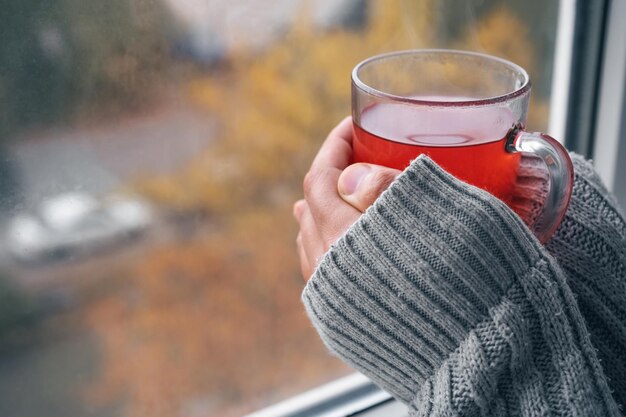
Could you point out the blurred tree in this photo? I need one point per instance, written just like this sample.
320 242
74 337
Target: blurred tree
212 322
215 321
501 32
64 59
275 108
57 58
457 20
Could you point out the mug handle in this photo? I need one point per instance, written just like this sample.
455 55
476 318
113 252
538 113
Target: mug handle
560 174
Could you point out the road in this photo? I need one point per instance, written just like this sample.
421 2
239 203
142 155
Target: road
49 375
100 158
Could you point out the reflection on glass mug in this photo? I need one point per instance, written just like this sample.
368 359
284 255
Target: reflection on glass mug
466 111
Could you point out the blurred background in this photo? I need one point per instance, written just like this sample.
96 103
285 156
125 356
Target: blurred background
150 152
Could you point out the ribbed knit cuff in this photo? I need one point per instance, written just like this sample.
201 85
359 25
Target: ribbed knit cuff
401 290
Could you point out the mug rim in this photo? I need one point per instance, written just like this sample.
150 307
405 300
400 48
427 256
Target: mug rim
358 83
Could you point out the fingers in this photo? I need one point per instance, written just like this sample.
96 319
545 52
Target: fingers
336 152
298 209
324 216
311 246
305 267
331 214
361 184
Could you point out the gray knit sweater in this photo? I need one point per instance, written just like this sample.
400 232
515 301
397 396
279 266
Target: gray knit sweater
442 296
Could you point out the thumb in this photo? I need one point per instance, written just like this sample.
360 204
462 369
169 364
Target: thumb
361 184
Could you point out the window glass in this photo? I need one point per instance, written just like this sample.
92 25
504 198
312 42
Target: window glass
150 152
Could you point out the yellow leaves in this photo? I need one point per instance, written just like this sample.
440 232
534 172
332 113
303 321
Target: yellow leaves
205 92
538 113
276 106
163 190
220 315
503 34
400 24
216 312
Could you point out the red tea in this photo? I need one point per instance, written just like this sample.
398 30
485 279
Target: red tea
467 142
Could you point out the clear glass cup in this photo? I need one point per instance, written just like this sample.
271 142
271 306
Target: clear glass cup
467 111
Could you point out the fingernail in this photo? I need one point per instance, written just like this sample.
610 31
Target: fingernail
352 177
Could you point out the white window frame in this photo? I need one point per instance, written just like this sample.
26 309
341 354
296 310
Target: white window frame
609 132
559 96
344 397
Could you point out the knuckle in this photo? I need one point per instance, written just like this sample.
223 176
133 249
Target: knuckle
308 184
312 181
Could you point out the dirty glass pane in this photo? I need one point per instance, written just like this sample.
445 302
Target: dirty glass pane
150 151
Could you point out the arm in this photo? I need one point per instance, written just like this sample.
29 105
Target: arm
479 320
590 247
442 297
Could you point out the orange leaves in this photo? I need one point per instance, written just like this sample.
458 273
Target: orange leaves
216 315
219 316
275 107
211 319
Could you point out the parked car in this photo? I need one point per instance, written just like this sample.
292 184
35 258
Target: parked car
75 224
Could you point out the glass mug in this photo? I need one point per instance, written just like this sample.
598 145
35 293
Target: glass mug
466 111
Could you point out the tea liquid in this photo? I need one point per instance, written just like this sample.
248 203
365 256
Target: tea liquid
468 142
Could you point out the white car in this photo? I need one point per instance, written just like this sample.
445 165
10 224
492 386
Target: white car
74 224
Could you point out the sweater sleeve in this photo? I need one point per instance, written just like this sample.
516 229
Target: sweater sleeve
590 247
442 297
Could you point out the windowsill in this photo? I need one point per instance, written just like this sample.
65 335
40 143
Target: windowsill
354 395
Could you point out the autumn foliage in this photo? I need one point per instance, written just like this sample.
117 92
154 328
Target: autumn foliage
211 322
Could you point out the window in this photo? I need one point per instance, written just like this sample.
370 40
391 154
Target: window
609 113
151 151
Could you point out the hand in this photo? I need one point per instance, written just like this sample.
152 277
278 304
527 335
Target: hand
335 195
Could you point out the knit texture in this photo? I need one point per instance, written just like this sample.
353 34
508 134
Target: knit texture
590 247
441 295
